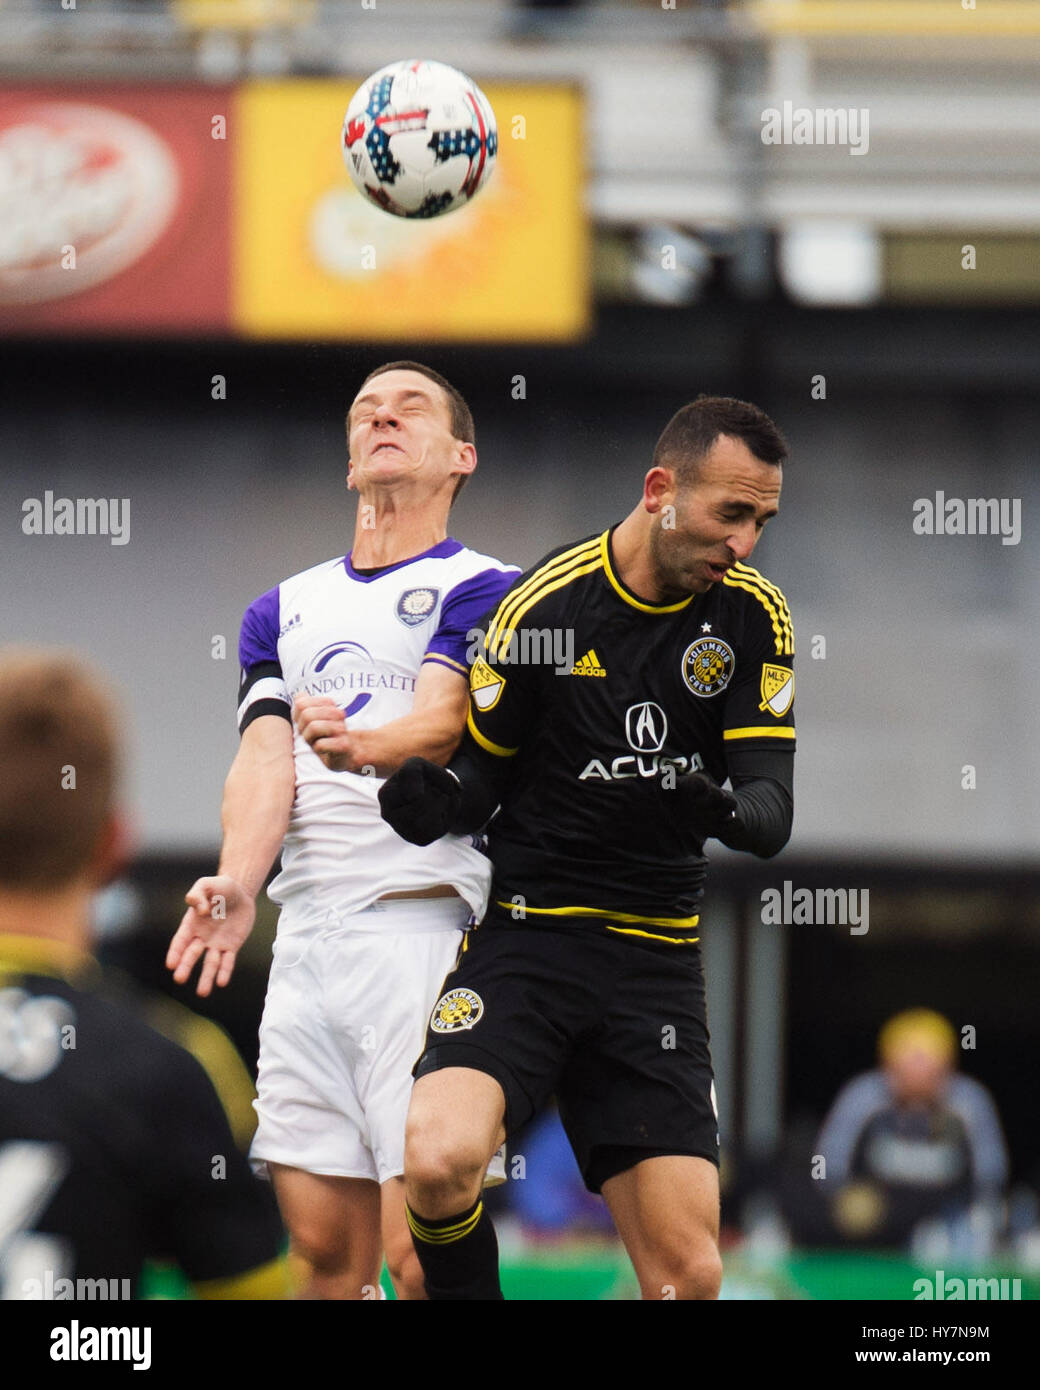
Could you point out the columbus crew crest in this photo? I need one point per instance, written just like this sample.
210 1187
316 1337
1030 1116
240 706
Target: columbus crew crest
459 1008
707 666
777 690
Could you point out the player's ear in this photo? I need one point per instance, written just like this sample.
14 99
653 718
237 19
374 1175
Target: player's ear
658 489
114 851
350 475
465 457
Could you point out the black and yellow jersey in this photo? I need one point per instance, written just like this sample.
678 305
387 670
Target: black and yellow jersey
593 703
114 1148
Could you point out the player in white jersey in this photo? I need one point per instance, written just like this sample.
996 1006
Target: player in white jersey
347 670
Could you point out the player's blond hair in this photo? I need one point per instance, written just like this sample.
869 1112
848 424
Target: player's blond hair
919 1028
58 766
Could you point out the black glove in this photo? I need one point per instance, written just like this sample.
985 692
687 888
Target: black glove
421 801
706 807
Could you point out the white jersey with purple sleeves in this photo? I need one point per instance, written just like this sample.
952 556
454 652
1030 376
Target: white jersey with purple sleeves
361 640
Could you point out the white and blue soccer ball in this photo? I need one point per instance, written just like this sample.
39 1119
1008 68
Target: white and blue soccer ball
419 138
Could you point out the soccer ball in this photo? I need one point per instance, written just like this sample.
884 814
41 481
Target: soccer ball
419 139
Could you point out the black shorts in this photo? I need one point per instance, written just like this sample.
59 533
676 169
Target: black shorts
618 1033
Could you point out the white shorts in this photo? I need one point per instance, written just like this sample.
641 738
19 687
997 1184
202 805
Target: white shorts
344 1023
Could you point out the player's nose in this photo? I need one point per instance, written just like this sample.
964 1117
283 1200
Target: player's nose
742 542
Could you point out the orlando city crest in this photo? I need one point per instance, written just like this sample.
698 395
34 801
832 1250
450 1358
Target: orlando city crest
415 606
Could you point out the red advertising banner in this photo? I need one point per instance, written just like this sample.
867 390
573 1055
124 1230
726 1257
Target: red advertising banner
114 209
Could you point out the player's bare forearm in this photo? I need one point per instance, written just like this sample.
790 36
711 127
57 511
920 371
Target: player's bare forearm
258 798
432 733
431 729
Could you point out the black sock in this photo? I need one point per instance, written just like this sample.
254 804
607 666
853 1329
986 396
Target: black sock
458 1254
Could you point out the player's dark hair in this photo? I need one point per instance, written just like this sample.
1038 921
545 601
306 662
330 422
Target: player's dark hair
58 751
690 433
462 426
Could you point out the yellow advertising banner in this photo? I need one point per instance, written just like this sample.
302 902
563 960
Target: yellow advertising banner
312 258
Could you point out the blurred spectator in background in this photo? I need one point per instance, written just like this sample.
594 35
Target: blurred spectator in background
114 1149
914 1152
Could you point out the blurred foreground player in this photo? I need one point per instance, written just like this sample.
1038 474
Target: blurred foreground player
584 977
368 652
113 1145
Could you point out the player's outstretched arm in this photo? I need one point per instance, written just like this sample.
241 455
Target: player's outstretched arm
258 797
431 729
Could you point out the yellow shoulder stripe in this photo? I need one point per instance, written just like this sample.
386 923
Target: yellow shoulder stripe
504 618
742 577
756 577
505 633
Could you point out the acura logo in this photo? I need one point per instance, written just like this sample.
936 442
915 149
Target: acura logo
646 727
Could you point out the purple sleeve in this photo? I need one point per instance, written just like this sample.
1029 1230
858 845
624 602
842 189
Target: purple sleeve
261 689
461 612
258 640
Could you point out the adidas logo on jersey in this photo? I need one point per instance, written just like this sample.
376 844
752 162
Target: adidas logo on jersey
588 665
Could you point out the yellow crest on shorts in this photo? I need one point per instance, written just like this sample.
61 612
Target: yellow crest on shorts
485 685
459 1008
777 689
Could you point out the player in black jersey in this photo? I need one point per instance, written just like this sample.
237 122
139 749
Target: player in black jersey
584 977
113 1145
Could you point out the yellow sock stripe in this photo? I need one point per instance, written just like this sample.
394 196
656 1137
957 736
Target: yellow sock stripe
753 577
779 636
443 1235
567 578
502 620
